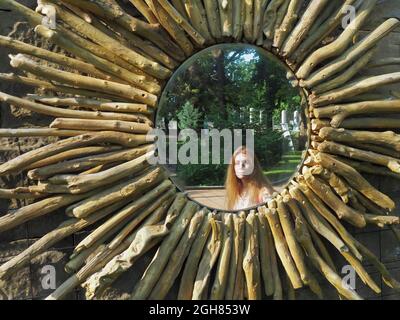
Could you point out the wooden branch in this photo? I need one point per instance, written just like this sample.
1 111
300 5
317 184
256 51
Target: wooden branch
343 77
101 125
142 7
371 123
317 222
296 214
303 26
149 234
358 154
338 46
198 17
219 286
40 132
26 159
81 26
80 164
338 113
269 18
354 88
251 261
288 23
110 10
131 76
22 62
304 238
173 28
321 208
384 62
259 9
183 22
208 260
248 20
47 55
238 19
130 188
388 139
177 259
326 195
64 230
213 18
38 209
236 256
46 85
153 272
92 104
59 112
351 55
74 153
192 261
294 247
266 252
314 39
281 246
159 194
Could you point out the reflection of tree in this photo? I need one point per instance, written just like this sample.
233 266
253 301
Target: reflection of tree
233 87
227 85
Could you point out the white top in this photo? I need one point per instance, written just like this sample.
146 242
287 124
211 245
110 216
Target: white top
245 202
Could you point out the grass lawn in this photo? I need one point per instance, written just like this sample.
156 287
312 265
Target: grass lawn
285 168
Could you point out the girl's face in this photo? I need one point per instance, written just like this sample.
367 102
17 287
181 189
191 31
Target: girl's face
244 165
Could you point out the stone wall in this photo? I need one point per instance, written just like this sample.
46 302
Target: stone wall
26 284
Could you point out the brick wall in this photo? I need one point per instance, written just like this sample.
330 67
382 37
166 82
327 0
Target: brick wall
26 284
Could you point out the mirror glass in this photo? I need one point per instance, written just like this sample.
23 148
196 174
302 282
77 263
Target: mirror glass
231 129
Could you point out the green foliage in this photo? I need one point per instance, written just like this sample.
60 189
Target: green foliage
227 86
188 116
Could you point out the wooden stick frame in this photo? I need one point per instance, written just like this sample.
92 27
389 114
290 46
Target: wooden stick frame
253 252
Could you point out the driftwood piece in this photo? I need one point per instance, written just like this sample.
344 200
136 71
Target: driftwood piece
28 158
130 188
192 261
351 54
344 77
388 139
354 88
338 46
251 261
236 256
338 113
238 19
303 26
314 39
143 288
177 258
248 20
59 112
341 209
358 154
198 17
64 230
266 251
213 18
304 238
79 164
288 23
138 243
125 91
158 194
281 246
218 288
92 104
207 262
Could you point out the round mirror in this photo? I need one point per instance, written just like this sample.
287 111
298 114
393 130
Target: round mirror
231 128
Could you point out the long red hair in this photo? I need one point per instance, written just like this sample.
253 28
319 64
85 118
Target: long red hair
255 182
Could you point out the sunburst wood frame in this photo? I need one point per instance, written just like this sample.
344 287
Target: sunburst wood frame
104 96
